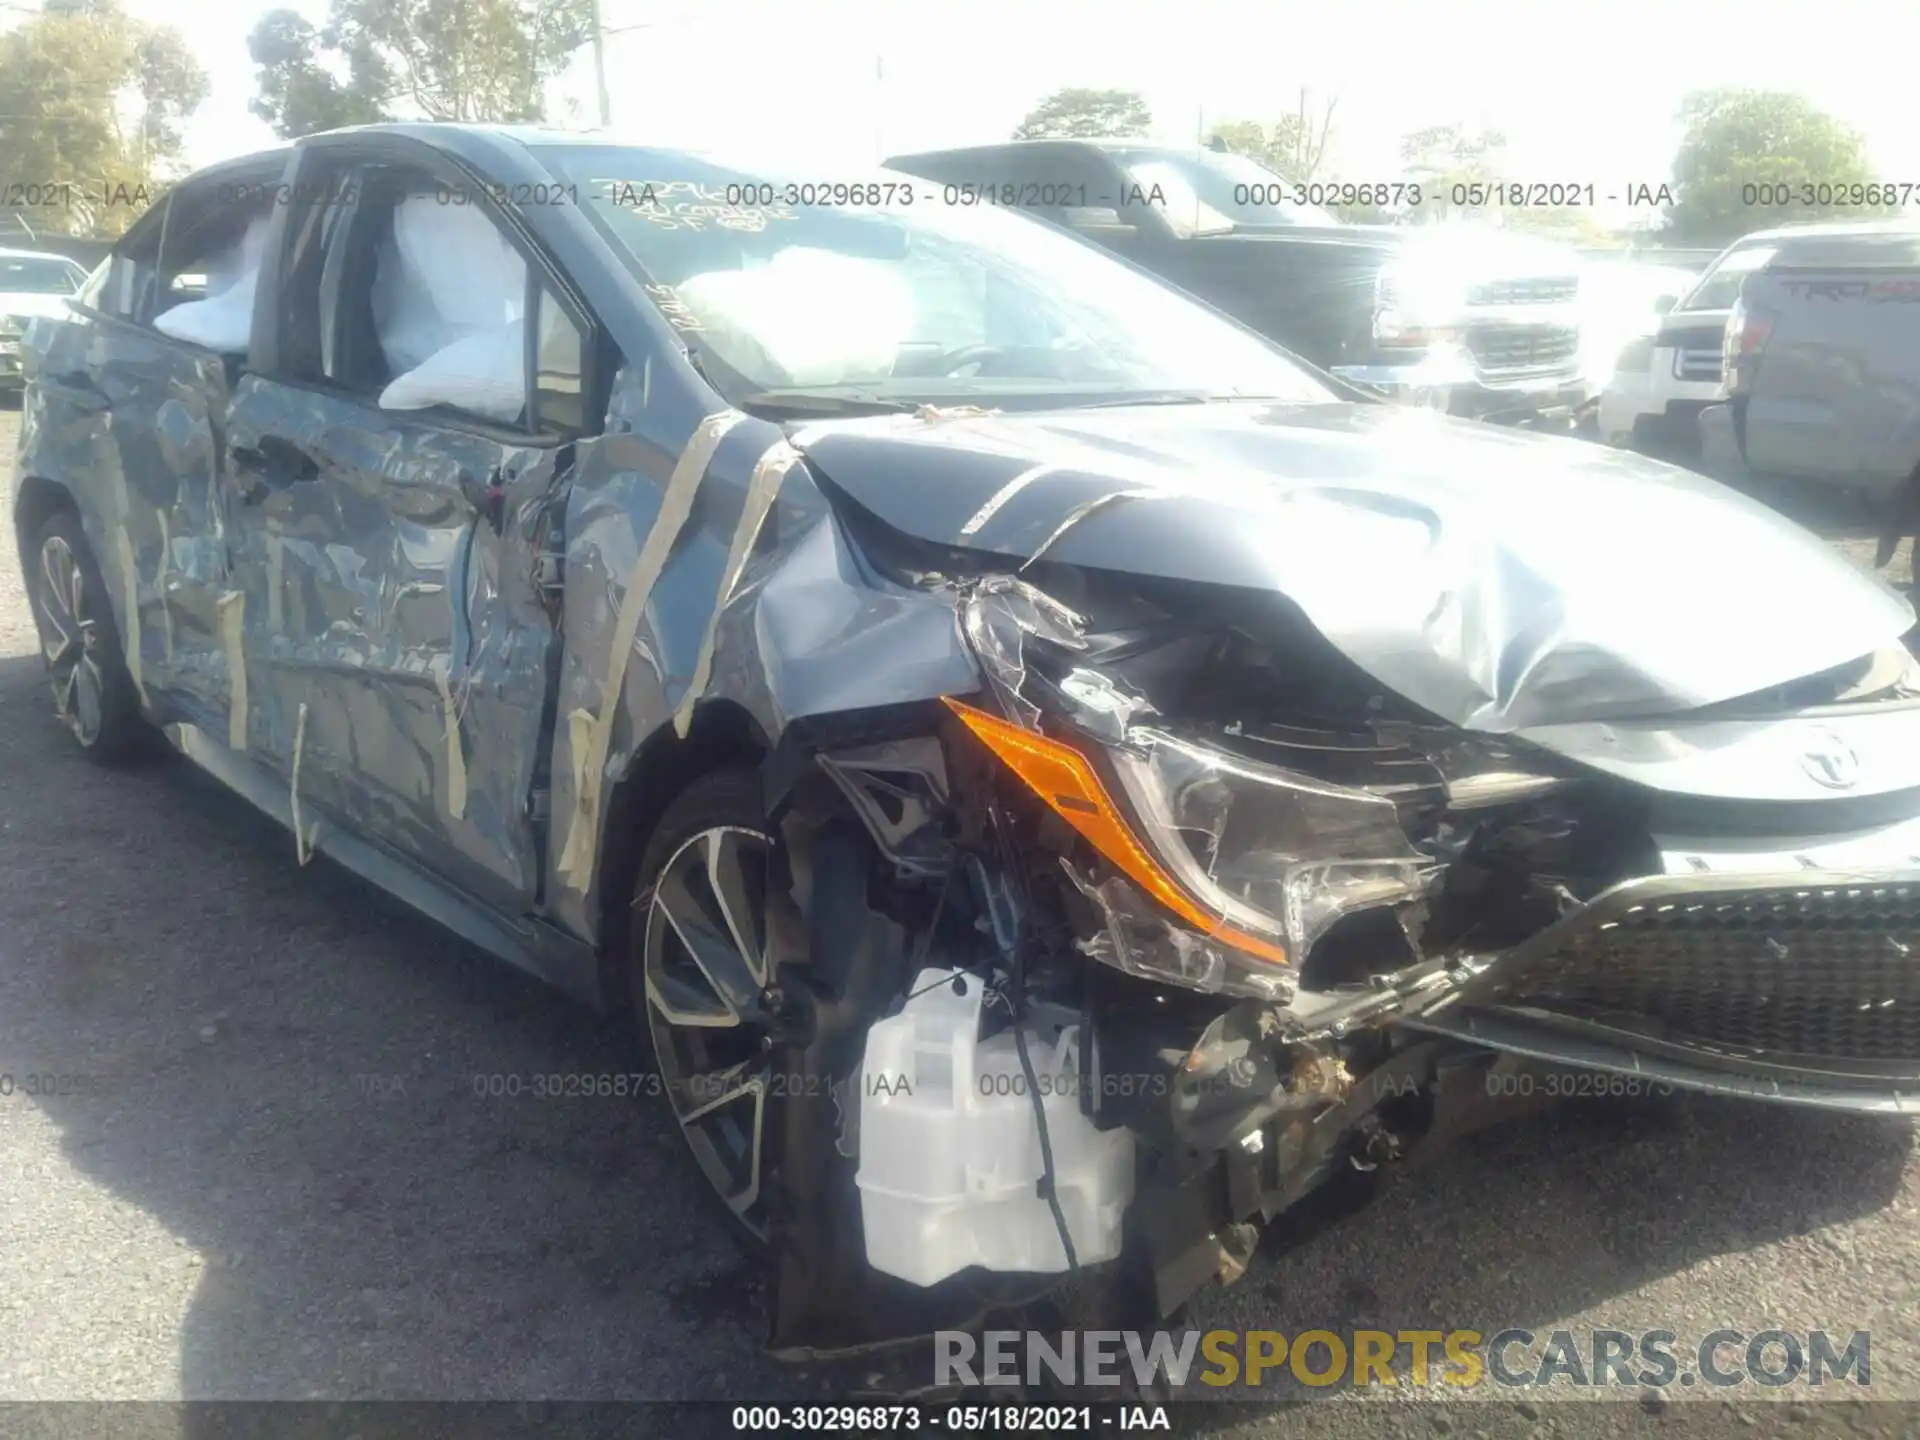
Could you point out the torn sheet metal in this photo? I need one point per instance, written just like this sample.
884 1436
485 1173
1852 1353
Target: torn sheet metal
1439 556
676 504
763 487
758 603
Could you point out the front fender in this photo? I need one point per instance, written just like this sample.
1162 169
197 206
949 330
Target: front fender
703 563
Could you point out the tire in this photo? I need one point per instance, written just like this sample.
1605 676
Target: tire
94 694
708 1037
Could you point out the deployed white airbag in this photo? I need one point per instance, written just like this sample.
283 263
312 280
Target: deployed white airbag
815 316
222 321
449 303
483 372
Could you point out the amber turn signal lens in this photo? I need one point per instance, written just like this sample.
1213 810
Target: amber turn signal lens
1062 777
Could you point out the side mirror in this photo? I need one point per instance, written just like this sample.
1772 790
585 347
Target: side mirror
1663 303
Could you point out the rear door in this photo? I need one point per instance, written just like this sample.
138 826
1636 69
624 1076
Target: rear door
399 634
134 418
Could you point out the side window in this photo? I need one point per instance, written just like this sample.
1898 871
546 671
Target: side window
201 283
559 368
402 291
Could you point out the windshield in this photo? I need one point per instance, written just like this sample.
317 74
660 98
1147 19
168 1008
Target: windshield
893 296
1720 286
39 275
1217 191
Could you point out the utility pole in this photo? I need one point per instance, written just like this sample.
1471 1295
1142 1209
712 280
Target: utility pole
600 69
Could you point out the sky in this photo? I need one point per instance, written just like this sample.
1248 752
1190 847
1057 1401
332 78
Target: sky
1585 94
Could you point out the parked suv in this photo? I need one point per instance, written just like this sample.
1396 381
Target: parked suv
1053 781
1663 380
1467 319
1821 356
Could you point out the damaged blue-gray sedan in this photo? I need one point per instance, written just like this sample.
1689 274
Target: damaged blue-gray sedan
1057 778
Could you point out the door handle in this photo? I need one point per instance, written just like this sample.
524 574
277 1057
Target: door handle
274 462
83 392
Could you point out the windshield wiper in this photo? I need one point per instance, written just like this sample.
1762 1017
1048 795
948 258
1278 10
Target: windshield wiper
771 403
1172 397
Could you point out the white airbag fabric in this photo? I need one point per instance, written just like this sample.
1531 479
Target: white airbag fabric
222 321
449 303
483 373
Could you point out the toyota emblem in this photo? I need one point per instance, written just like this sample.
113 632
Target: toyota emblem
1831 761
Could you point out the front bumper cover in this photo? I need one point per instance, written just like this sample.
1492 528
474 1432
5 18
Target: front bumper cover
1797 989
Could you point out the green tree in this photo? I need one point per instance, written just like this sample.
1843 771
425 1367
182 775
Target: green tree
1296 146
298 95
92 102
1440 157
1080 114
1733 138
474 60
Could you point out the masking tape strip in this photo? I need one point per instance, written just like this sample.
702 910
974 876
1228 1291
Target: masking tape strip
233 611
579 743
130 578
302 837
276 564
456 753
762 489
576 858
1001 496
160 582
1099 502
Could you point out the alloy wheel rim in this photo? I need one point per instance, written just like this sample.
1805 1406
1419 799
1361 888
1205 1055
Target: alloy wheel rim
710 1006
70 640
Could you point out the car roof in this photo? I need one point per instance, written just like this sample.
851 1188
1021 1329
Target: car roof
1833 230
6 253
1098 142
471 141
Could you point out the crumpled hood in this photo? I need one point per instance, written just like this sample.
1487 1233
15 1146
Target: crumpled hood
1499 579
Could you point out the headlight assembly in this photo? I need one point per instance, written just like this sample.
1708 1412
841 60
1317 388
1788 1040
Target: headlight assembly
1257 860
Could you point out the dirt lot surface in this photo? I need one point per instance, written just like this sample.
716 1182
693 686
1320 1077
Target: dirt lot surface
266 1172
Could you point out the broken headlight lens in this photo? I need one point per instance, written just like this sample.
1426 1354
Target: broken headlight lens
1276 853
1225 870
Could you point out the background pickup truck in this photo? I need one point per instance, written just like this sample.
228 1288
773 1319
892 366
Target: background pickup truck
1461 318
1822 359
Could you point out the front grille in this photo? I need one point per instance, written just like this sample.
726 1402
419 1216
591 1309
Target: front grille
1533 290
1522 347
1827 971
1698 365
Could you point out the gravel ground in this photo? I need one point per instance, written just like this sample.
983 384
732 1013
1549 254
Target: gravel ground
272 1178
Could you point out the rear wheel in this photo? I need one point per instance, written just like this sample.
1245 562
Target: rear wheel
93 691
700 977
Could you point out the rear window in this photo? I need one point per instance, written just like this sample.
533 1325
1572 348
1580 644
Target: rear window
39 275
1720 286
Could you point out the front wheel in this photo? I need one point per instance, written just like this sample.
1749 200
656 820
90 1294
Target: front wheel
93 692
700 977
